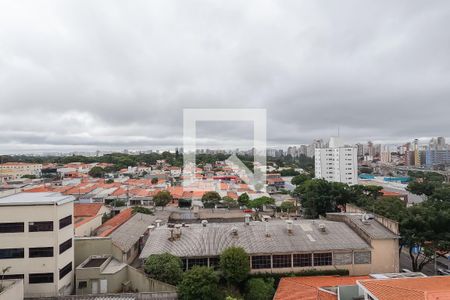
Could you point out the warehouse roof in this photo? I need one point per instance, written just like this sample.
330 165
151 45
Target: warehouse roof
42 198
211 240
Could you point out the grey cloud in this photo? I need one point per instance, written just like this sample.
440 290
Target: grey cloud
110 74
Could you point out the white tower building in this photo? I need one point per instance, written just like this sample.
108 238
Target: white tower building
337 163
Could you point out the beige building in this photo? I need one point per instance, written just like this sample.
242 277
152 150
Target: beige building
101 269
15 170
11 289
87 217
340 242
36 236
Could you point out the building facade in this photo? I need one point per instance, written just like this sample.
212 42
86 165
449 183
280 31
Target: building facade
36 236
337 162
15 170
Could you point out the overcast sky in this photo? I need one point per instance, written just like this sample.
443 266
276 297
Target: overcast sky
88 75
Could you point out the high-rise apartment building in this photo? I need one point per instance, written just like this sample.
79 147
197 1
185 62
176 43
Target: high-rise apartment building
36 242
337 162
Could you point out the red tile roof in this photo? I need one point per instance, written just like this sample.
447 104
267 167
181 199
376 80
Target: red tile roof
308 288
115 222
86 209
423 288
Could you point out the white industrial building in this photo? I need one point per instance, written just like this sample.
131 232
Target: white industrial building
337 162
36 237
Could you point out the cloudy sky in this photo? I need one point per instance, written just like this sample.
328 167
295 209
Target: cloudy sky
88 75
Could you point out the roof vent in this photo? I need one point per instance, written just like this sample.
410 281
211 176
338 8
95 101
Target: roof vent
177 231
247 219
234 231
367 218
322 227
158 223
204 223
289 225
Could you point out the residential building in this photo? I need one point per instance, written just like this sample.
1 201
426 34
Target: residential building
36 234
15 170
435 157
385 154
87 217
337 163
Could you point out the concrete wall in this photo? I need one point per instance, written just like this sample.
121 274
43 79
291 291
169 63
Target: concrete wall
87 228
385 256
87 246
13 290
141 283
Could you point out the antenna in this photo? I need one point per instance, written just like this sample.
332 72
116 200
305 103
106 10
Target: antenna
338 129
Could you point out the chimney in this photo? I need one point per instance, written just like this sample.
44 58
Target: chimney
247 219
204 223
150 229
289 225
158 223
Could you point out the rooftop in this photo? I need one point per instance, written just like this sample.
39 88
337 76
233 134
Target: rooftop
312 287
422 288
42 198
112 224
130 232
86 209
196 240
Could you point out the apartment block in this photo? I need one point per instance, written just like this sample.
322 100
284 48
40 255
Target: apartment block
36 237
337 162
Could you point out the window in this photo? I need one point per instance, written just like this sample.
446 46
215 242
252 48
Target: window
214 262
40 226
342 258
362 257
197 262
11 227
65 222
13 276
323 259
302 260
41 252
66 245
261 262
40 278
281 261
82 284
184 262
66 270
11 253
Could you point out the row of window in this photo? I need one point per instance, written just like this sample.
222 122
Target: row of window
42 277
286 261
10 253
34 226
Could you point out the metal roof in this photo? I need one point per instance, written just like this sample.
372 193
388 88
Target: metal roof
42 198
129 233
211 240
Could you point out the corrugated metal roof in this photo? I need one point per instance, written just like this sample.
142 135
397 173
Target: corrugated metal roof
211 240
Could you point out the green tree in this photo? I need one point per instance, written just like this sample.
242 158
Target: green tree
260 289
211 199
164 267
244 199
287 206
234 264
142 210
109 181
162 198
300 179
97 172
230 202
118 203
289 172
199 283
261 201
426 227
154 180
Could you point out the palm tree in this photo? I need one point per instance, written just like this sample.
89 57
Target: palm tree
4 270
